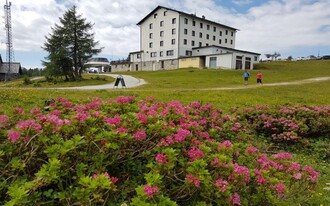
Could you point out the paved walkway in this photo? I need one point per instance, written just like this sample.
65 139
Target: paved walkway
132 82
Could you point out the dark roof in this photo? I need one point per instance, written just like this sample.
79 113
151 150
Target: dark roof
180 12
14 67
230 49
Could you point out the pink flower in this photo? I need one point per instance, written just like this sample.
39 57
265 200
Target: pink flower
19 110
181 135
313 175
97 114
295 166
150 190
235 199
226 144
13 136
3 120
222 184
140 135
283 155
297 176
113 121
242 170
195 153
280 188
251 150
193 179
29 124
142 118
122 130
125 99
161 159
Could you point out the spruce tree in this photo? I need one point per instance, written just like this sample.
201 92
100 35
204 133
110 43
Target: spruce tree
70 45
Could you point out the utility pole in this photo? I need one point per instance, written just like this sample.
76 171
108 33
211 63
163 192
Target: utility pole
9 41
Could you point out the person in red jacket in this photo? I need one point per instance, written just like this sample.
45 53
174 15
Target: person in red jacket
259 78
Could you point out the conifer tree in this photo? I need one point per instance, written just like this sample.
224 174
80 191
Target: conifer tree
70 45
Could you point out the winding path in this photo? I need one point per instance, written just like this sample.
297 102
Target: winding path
132 82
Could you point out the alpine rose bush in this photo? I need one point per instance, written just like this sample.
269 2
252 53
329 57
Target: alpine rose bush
125 151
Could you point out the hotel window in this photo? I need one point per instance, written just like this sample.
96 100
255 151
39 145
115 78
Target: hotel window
201 25
161 43
173 31
185 31
220 41
169 53
150 35
208 27
192 43
255 58
165 12
150 45
174 21
226 41
161 33
232 33
200 44
231 42
185 21
185 41
138 56
161 23
213 38
220 33
150 26
153 54
207 36
215 29
173 41
193 33
155 16
200 35
194 23
207 44
161 53
226 32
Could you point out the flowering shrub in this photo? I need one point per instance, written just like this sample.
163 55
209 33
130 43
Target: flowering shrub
289 123
141 153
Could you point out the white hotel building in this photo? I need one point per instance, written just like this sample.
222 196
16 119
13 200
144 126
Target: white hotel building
171 39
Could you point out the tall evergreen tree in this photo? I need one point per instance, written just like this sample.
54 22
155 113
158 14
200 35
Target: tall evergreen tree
70 45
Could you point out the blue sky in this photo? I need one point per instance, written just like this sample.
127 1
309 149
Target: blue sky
291 27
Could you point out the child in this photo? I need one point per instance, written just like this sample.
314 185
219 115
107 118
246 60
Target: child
259 78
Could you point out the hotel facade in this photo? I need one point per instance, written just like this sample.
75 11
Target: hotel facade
171 39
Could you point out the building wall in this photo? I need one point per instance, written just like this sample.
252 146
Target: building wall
224 61
153 35
190 62
121 68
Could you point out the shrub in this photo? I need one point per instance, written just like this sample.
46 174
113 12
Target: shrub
27 80
141 153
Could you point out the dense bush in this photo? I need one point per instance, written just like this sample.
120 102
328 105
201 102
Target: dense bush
140 153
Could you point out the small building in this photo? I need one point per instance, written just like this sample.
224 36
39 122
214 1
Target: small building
9 71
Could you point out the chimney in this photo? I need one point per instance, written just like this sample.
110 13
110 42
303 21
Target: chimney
203 17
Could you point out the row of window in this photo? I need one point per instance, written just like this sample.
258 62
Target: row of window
161 53
185 42
161 23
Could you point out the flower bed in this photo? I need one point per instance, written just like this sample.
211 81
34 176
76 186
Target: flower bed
140 153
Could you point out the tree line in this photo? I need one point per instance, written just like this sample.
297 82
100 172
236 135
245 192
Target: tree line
69 45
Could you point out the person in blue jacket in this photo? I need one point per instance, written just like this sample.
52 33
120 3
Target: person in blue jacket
246 77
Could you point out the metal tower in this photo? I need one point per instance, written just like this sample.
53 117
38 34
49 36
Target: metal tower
9 41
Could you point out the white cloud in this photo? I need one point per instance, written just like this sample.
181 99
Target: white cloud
242 2
276 25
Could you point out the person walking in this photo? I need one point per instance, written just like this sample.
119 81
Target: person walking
246 77
259 78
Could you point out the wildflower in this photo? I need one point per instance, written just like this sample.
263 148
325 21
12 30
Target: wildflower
19 110
226 144
29 124
251 150
193 179
181 135
222 184
297 176
283 155
161 159
113 121
195 153
150 190
3 120
235 199
280 188
140 135
13 136
313 175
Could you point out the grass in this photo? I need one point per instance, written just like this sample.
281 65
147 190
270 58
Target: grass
88 79
186 85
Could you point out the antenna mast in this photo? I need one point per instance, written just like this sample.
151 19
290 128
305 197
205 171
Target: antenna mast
9 41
